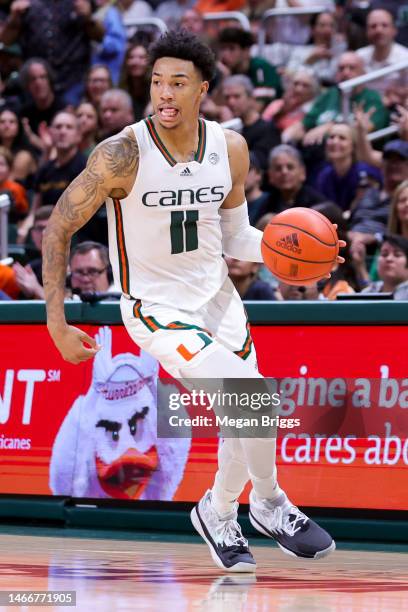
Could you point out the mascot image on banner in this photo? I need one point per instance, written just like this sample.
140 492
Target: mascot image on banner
107 445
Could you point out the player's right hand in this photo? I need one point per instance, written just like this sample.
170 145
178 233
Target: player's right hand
71 343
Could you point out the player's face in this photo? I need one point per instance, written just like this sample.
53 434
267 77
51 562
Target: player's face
176 90
392 264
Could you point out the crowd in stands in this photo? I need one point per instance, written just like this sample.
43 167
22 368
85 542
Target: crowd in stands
74 72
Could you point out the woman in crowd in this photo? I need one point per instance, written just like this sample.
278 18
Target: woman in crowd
323 50
88 126
135 78
12 137
340 178
392 268
300 91
98 81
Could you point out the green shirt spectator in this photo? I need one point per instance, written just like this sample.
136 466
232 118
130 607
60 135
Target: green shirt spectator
263 74
327 108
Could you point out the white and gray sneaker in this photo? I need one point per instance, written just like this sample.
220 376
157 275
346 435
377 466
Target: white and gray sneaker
295 533
228 547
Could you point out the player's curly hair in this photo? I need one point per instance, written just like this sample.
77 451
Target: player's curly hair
181 44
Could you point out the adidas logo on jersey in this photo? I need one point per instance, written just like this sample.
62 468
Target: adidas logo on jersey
186 172
290 243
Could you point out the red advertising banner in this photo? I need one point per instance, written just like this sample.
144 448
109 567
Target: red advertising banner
65 430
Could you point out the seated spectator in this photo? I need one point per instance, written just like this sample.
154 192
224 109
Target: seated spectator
398 217
13 138
383 50
16 192
397 224
88 127
98 80
254 195
261 136
172 11
298 292
54 176
90 270
37 81
63 31
235 56
392 268
244 276
131 10
369 217
321 54
344 278
293 30
115 112
193 21
286 179
327 108
110 51
340 178
300 91
135 78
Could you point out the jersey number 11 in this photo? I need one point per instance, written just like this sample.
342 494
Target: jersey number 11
183 231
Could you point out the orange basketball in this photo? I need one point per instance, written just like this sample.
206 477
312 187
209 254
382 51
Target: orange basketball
300 246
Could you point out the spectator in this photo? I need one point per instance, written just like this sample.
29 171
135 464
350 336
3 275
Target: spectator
60 32
261 136
12 137
55 175
298 292
244 276
383 50
340 178
17 193
115 112
398 218
327 108
300 91
135 78
37 81
111 50
392 268
193 21
322 53
90 270
253 193
286 177
29 277
235 55
98 81
293 30
344 278
369 218
172 11
88 127
8 284
131 10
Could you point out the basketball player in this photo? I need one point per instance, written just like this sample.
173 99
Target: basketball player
174 188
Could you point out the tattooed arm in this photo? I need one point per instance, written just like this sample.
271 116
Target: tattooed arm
110 171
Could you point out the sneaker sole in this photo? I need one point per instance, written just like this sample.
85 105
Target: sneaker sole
318 555
238 567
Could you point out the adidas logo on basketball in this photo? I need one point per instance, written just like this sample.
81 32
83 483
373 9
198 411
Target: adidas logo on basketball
186 172
290 243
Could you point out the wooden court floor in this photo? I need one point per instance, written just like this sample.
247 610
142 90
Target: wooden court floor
114 575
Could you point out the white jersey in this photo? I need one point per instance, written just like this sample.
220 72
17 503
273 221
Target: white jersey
165 236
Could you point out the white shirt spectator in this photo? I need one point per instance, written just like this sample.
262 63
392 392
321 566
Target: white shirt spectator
139 9
398 53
